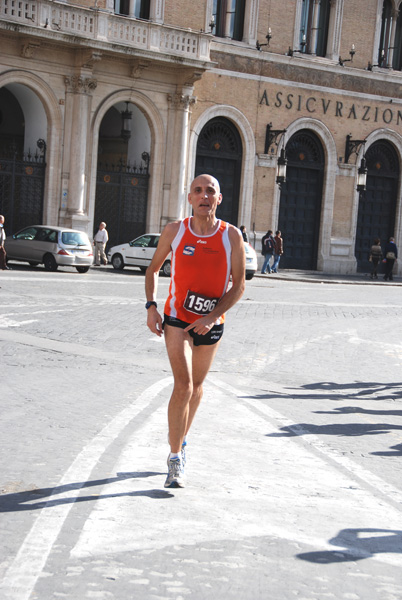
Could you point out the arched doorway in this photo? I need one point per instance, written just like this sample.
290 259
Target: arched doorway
377 205
300 201
23 129
219 153
123 173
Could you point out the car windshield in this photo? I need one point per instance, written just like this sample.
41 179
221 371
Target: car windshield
74 238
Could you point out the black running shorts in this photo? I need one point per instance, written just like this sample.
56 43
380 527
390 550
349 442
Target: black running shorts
212 337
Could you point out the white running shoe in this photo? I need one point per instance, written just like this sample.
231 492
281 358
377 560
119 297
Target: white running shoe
175 478
183 452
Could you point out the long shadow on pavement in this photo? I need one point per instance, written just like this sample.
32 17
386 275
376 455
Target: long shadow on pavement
44 497
357 544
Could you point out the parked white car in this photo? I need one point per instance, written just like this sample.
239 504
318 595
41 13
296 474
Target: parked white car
139 253
251 261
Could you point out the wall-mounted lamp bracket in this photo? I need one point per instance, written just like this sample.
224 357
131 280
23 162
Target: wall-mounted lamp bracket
267 37
271 136
352 146
352 52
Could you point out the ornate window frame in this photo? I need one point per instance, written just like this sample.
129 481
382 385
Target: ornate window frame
250 20
334 28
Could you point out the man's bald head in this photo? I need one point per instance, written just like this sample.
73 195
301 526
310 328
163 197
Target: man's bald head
205 178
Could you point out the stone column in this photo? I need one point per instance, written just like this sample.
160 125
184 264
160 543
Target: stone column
78 105
180 109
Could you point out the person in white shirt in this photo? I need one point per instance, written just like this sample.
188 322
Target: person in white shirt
100 241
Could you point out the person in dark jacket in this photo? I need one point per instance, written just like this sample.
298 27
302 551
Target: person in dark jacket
375 257
391 254
278 251
267 250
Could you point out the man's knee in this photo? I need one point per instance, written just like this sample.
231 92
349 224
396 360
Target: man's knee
183 389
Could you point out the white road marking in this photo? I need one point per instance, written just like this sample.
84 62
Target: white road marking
367 476
5 322
25 569
255 489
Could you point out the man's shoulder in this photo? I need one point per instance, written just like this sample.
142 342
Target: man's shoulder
171 229
234 232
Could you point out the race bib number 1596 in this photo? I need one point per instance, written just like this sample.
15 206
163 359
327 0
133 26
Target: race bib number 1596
200 305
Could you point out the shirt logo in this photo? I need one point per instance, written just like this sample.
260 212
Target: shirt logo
201 242
189 250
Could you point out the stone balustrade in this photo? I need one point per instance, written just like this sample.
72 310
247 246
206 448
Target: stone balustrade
100 25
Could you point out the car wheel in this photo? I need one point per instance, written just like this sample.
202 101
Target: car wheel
166 268
117 262
33 263
82 269
49 263
249 276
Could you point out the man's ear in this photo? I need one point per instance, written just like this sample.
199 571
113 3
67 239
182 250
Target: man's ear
220 198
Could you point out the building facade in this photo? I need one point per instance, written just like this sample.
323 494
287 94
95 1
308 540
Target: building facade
108 110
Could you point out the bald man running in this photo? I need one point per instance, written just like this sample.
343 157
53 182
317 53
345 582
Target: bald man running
206 253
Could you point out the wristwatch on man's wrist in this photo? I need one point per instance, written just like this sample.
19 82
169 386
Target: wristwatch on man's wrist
151 303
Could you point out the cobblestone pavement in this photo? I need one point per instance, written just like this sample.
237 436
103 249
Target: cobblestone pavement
294 473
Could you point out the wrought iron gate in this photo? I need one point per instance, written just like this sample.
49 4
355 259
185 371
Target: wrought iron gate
219 153
121 201
300 203
21 191
377 205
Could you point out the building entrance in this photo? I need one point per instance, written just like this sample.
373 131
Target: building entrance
122 177
377 205
22 157
219 153
300 202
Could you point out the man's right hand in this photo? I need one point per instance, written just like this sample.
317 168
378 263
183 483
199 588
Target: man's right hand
154 321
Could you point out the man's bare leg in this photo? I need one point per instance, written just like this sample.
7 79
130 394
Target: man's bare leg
190 365
203 357
179 349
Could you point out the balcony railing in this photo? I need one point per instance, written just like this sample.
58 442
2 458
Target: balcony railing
104 26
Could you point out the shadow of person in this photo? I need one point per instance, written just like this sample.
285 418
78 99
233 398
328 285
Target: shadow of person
35 499
336 429
393 451
357 544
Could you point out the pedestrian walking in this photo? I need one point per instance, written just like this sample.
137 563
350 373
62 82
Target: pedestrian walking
100 240
278 251
3 254
244 233
267 250
206 252
391 254
375 257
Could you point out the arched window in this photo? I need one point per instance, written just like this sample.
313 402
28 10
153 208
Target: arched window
229 18
314 26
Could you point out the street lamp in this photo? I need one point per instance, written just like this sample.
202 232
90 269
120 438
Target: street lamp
362 176
281 169
126 123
